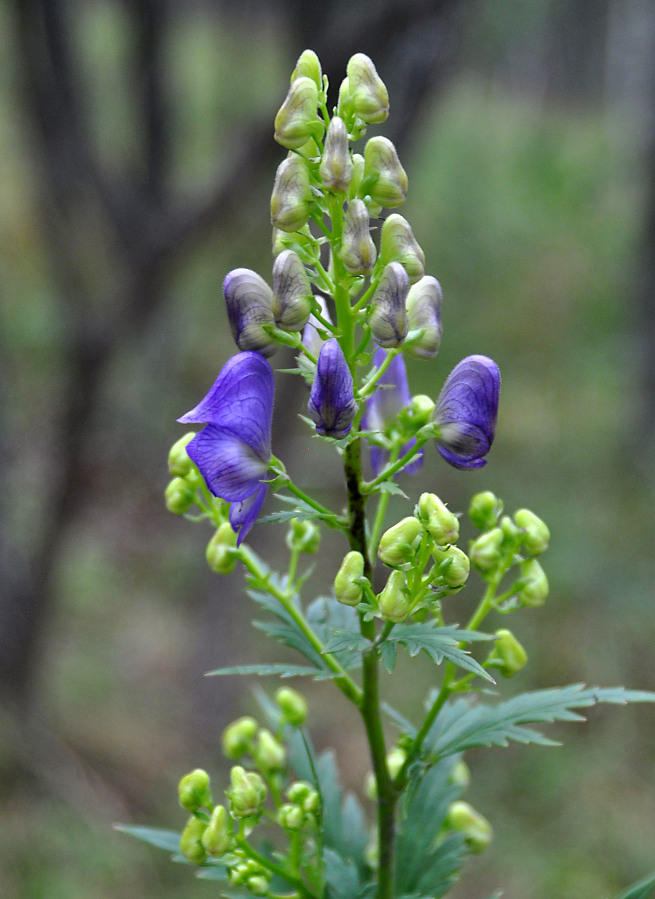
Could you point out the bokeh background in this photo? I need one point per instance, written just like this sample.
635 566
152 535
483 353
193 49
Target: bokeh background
136 162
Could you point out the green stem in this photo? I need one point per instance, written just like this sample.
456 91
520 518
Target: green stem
391 469
381 511
274 868
369 386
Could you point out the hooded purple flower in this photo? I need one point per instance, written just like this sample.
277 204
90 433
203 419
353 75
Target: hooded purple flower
234 450
383 407
466 412
332 405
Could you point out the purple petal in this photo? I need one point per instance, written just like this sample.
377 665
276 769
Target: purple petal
231 468
240 401
466 412
380 457
385 404
249 302
244 514
332 405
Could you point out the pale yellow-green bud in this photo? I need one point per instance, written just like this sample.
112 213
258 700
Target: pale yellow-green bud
460 774
179 464
464 819
269 753
454 565
424 313
388 316
308 66
533 584
367 92
293 705
485 550
357 248
291 199
193 790
303 794
247 794
358 174
191 841
388 184
346 588
303 536
179 496
296 121
219 554
393 601
294 240
398 244
399 543
437 519
509 653
258 885
484 509
510 530
395 761
536 536
290 817
336 168
420 410
217 838
292 292
238 737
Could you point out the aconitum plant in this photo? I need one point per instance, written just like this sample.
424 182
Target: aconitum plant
352 310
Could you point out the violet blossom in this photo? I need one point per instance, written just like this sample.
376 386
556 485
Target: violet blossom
332 405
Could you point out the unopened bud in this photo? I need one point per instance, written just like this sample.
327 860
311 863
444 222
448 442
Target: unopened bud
464 819
269 754
247 794
291 199
454 565
485 550
508 656
460 774
367 92
510 530
484 509
193 791
303 794
533 584
249 302
308 66
336 168
296 121
393 602
437 519
398 244
238 737
346 588
536 536
219 553
258 885
292 292
293 705
420 410
179 464
357 248
191 841
358 174
388 319
217 838
179 496
290 817
395 761
303 536
424 313
398 544
384 173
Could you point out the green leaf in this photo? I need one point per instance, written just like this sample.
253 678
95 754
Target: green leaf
641 890
280 670
159 837
285 629
388 655
342 641
440 643
285 516
341 874
327 617
390 487
461 726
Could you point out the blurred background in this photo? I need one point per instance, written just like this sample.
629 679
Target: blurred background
136 163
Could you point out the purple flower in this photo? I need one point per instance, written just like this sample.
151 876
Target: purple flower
466 412
234 450
332 405
384 406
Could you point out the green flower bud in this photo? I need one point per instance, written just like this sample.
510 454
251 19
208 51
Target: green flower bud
303 536
437 519
485 550
536 536
180 496
393 601
308 66
395 761
311 803
357 248
191 841
293 705
238 737
217 838
388 315
292 292
464 819
460 774
219 553
510 530
336 168
484 510
269 754
193 791
358 174
247 794
398 244
290 817
346 588
510 655
296 121
533 584
419 412
399 543
303 794
291 199
179 464
258 885
382 169
454 565
424 313
366 90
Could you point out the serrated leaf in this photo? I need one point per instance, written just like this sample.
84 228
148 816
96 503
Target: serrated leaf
342 641
327 617
440 643
461 726
285 516
390 487
280 670
641 890
388 655
341 875
160 837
